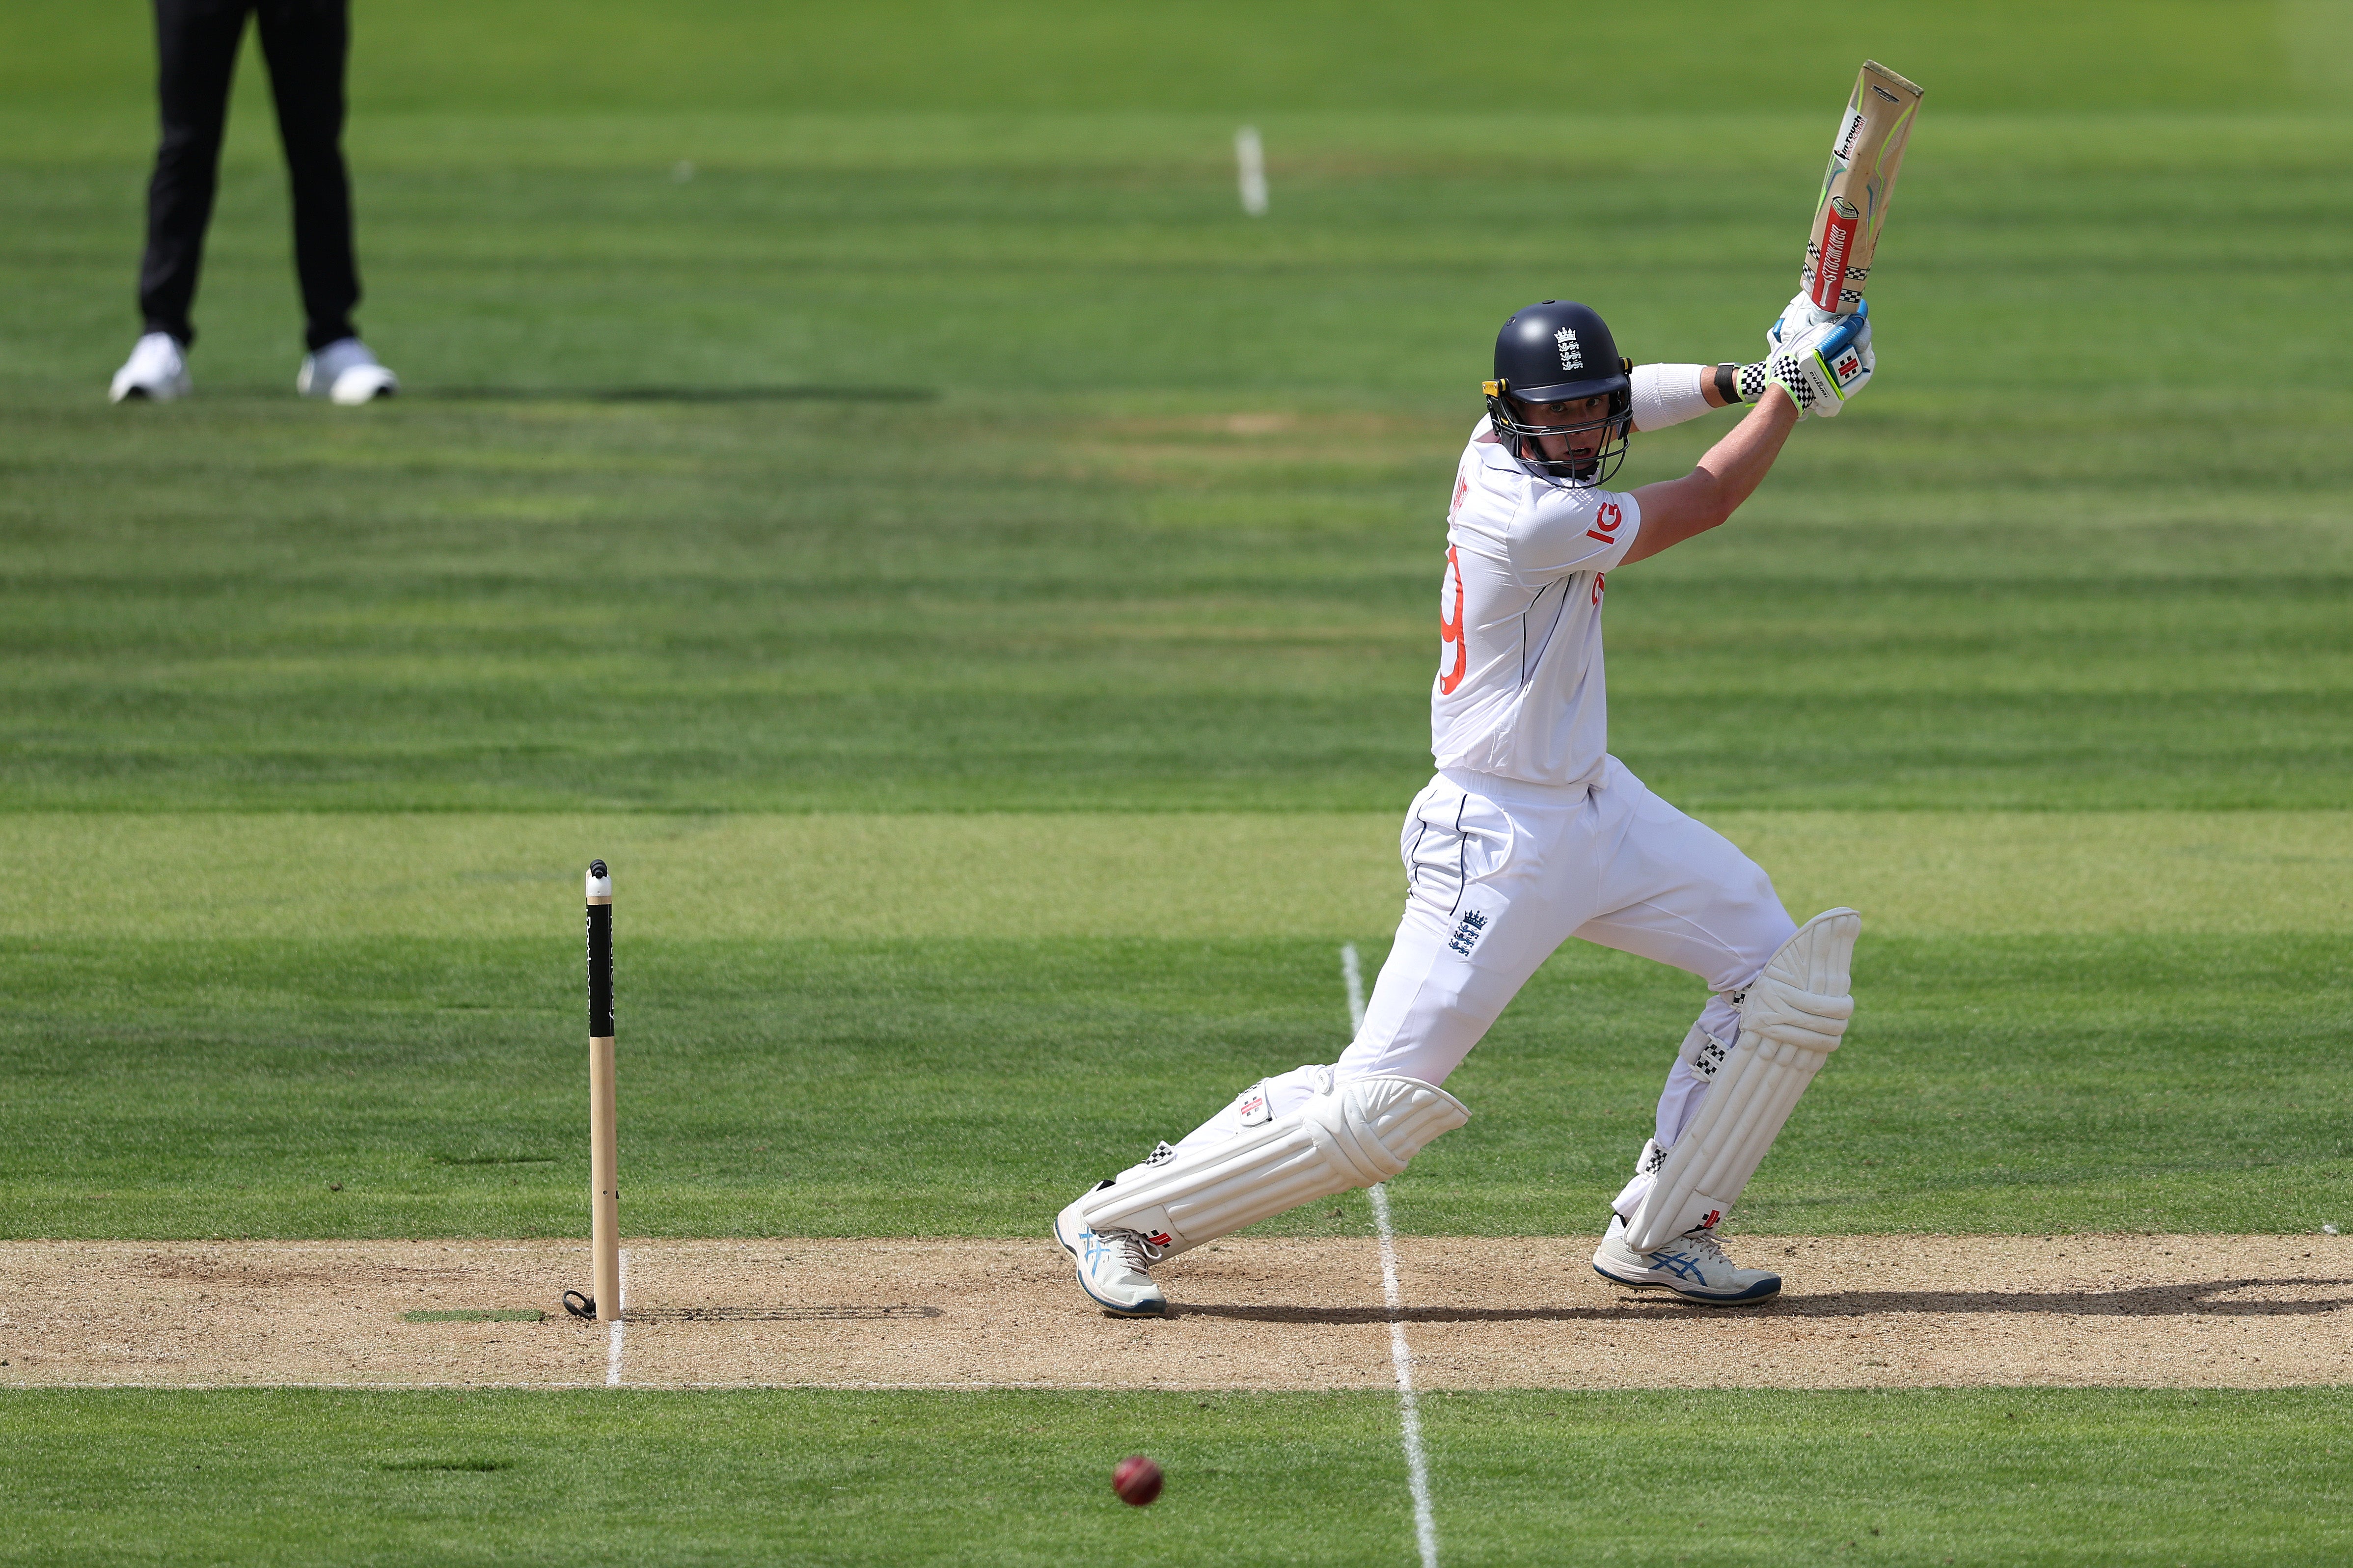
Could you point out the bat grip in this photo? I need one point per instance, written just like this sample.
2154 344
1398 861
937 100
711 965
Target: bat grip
1849 330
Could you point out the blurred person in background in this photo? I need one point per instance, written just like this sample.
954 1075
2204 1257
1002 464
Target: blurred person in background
306 43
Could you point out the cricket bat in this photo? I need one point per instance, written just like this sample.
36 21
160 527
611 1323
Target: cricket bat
1864 161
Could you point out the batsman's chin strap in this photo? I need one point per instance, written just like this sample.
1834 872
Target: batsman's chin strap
580 1306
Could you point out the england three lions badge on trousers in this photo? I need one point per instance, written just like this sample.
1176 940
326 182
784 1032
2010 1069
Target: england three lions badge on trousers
1475 917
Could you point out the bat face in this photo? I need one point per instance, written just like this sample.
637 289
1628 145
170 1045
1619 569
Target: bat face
1865 157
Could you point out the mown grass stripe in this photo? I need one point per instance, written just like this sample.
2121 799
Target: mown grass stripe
1084 874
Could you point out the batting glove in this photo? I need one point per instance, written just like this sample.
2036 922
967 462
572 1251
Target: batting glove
1798 317
1823 366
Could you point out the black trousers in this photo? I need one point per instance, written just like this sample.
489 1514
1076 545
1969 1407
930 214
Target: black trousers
306 43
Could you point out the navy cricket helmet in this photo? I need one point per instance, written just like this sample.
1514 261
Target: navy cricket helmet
1561 352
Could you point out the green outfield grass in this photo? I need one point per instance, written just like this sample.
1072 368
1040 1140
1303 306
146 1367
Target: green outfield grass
2079 596
1142 522
843 1088
1080 489
861 471
519 604
2075 1020
1755 1477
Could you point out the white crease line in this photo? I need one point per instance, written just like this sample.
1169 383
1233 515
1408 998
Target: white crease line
1351 970
1250 169
1417 1462
613 1344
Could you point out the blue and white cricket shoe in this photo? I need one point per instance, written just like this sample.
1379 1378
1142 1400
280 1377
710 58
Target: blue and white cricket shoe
1692 1266
1113 1266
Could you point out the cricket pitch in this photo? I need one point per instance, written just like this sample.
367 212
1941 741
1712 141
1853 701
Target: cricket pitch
1481 1312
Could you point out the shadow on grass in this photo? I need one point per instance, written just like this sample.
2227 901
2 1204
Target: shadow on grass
675 394
2198 1299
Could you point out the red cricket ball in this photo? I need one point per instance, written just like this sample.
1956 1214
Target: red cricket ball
1136 1480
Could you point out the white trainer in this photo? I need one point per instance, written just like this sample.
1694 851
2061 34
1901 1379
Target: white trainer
156 370
1113 1266
1692 1266
346 372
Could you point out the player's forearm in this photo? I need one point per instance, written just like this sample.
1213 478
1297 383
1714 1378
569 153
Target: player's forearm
1668 395
1678 510
1739 462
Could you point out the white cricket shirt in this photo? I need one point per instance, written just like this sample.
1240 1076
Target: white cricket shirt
1519 691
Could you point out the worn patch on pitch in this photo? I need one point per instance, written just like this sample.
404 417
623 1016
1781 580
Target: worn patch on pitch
1479 1312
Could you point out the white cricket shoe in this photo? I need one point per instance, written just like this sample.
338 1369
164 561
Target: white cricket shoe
156 370
345 372
1113 1266
1692 1266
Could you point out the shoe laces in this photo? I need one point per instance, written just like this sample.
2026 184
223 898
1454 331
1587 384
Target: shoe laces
1704 1243
1133 1248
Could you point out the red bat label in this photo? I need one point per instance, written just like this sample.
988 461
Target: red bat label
1839 220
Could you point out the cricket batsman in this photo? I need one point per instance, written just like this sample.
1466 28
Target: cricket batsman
1532 833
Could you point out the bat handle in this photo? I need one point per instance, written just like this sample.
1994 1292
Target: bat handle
1849 330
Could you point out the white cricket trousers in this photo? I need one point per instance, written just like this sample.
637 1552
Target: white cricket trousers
1500 873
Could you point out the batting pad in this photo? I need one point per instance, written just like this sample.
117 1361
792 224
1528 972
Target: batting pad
1792 1018
1362 1131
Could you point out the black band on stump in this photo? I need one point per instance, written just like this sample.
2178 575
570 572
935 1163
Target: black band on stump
600 963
